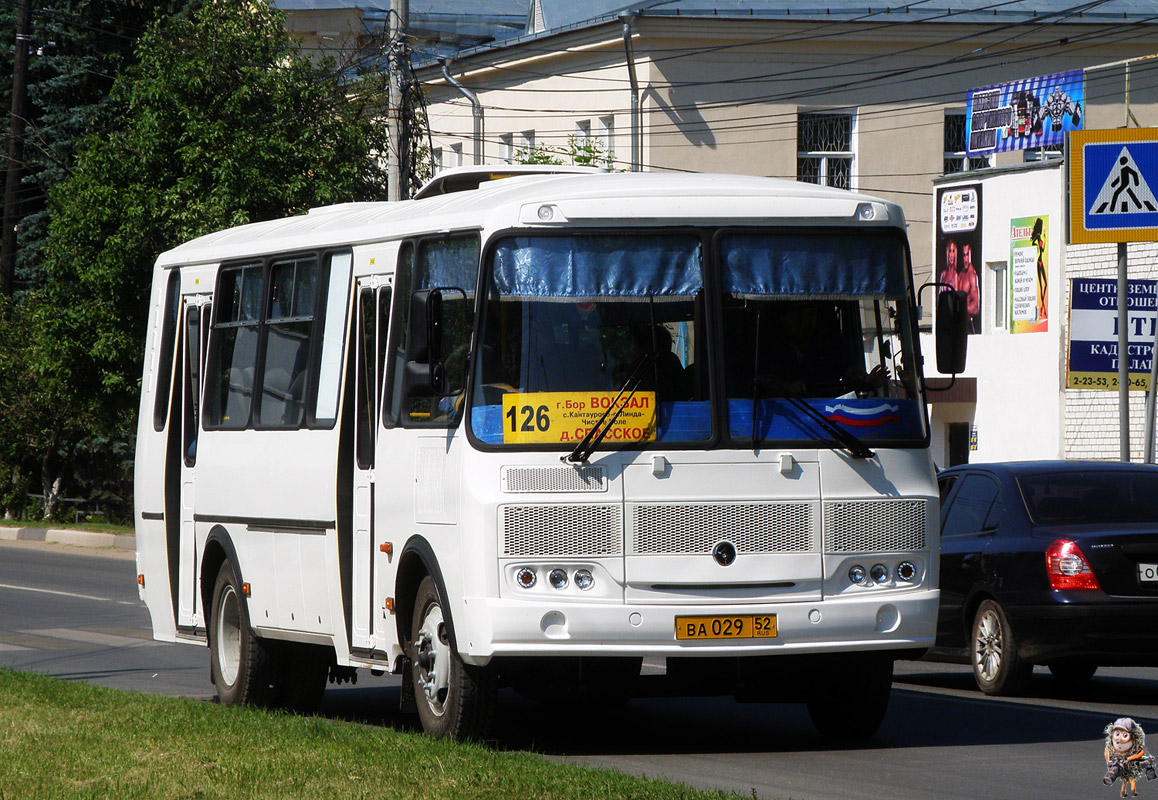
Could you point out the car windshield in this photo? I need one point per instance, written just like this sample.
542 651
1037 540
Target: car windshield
813 332
1091 498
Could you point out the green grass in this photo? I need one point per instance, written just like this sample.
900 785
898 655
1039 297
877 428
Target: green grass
98 527
70 740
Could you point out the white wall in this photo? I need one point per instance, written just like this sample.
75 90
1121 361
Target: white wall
1020 377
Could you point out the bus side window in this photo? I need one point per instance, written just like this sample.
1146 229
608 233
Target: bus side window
333 334
289 328
233 354
165 361
396 359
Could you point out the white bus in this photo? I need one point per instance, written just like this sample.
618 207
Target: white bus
534 432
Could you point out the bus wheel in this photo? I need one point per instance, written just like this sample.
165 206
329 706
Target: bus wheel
240 663
301 682
847 699
454 700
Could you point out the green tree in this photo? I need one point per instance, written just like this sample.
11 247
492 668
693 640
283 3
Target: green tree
220 121
76 47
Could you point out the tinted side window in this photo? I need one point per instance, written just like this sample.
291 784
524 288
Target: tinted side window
230 373
292 294
452 262
165 363
972 506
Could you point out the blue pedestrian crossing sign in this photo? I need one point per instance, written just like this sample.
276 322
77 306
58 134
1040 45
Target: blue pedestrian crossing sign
1113 185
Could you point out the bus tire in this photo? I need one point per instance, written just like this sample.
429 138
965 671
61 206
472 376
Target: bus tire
848 697
455 700
241 665
302 670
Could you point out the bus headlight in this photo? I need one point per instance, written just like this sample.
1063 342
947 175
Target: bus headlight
584 579
856 574
879 573
526 577
906 571
557 578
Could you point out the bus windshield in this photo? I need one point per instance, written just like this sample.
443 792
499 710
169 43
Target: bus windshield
813 330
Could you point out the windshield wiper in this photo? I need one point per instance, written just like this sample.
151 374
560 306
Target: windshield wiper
587 446
855 447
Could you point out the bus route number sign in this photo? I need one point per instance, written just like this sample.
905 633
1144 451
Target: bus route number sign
565 417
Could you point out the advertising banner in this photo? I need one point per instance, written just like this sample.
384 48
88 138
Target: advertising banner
1093 333
1028 275
1035 112
958 245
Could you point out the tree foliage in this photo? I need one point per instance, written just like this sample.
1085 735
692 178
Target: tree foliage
220 120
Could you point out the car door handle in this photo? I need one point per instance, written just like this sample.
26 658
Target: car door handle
970 559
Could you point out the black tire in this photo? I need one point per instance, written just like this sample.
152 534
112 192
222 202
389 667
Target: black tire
848 696
302 670
998 668
1073 672
241 665
455 700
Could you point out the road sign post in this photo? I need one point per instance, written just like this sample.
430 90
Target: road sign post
1113 177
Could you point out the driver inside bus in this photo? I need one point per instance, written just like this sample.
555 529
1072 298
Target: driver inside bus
810 357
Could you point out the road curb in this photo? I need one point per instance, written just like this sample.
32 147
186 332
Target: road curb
119 541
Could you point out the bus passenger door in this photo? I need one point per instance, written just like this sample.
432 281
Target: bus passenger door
195 326
373 310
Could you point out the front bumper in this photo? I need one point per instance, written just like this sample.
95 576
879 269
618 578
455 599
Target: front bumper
491 627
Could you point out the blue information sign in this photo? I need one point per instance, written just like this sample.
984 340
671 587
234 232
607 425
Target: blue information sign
1093 329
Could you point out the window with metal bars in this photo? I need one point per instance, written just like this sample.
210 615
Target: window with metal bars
824 152
956 159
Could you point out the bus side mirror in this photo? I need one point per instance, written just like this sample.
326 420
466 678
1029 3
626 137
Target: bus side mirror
952 332
424 375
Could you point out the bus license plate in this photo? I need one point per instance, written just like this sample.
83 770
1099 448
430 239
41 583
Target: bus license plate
744 626
1148 573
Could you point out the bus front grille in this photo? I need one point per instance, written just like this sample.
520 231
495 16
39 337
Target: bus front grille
867 526
696 528
553 479
561 530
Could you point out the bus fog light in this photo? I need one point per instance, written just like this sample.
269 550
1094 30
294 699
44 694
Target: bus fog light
865 212
526 577
856 574
557 578
879 573
584 579
906 571
546 213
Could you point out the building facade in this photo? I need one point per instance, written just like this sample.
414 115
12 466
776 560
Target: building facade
870 100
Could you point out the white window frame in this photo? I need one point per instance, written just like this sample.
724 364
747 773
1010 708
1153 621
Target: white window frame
828 157
997 274
958 157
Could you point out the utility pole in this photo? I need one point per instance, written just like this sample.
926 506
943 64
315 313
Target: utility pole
15 149
399 22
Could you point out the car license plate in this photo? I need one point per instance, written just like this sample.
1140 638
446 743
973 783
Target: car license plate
1148 573
743 626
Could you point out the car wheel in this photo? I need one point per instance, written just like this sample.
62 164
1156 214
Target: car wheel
1073 671
997 667
455 700
240 664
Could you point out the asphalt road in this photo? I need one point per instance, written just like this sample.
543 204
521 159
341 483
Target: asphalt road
77 617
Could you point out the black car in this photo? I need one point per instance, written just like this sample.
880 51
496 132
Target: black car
1048 562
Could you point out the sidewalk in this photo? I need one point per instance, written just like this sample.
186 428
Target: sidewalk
126 541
